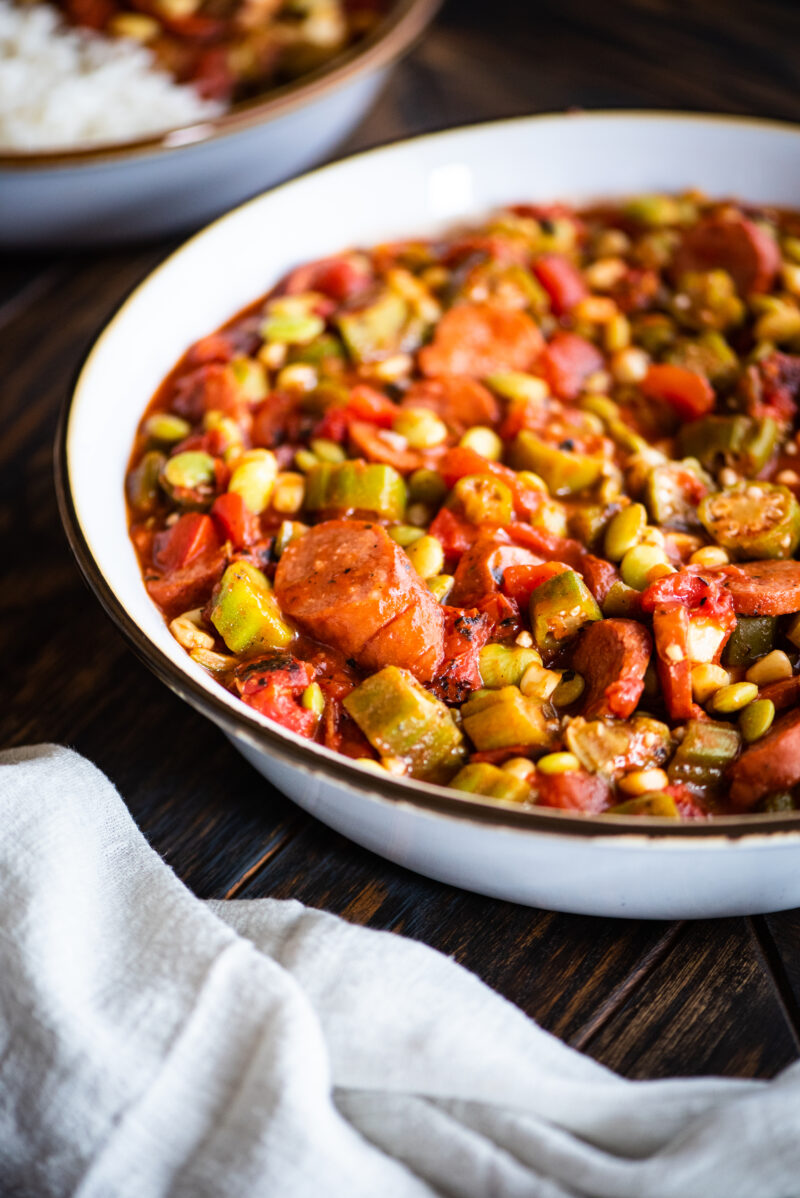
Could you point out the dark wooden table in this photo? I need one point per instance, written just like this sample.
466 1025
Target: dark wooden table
648 999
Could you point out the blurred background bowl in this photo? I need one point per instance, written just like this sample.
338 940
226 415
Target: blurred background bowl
175 181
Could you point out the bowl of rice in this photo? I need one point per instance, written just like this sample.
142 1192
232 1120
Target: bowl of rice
117 126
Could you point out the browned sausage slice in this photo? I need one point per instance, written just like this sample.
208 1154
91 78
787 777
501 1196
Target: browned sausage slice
345 581
612 655
461 402
482 339
772 763
769 588
480 570
749 255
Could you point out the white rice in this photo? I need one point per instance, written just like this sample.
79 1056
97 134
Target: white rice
63 87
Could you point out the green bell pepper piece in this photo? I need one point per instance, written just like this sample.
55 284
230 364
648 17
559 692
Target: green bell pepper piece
559 608
756 520
401 719
356 486
708 354
505 718
246 613
705 752
565 471
753 637
484 779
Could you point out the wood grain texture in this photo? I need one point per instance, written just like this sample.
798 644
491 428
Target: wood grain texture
648 998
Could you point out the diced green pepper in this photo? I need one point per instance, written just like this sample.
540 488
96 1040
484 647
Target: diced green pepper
251 379
484 779
565 471
611 747
483 499
756 520
671 493
559 608
504 718
654 803
246 613
356 486
377 330
753 637
504 665
622 602
744 444
705 752
322 349
401 719
142 484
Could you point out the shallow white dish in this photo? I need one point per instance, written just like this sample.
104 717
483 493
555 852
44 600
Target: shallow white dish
601 865
175 181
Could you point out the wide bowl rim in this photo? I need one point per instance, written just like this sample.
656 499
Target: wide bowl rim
313 759
393 35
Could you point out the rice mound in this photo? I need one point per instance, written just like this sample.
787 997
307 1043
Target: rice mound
63 87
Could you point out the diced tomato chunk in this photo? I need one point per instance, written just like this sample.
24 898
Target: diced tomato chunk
235 521
519 582
455 534
367 403
562 281
340 278
575 790
567 362
689 394
194 533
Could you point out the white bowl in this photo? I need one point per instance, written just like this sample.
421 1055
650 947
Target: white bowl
602 865
99 195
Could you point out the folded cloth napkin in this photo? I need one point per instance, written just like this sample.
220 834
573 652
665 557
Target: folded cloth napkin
152 1044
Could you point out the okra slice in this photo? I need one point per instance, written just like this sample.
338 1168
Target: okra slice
246 612
753 637
672 492
655 803
401 719
755 519
484 779
504 718
356 486
565 471
376 330
744 444
705 752
559 608
504 665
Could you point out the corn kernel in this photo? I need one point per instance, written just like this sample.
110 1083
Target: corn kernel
188 633
520 767
605 272
134 25
710 555
484 441
558 763
391 370
299 377
595 309
288 493
630 365
421 428
642 782
617 334
426 556
313 699
773 667
440 586
254 477
706 680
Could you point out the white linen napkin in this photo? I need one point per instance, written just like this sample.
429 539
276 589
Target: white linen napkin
152 1044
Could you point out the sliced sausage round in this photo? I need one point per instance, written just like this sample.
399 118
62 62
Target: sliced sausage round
460 402
346 582
770 588
749 255
612 656
772 763
482 339
480 570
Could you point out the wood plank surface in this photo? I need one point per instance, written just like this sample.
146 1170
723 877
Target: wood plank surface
649 999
